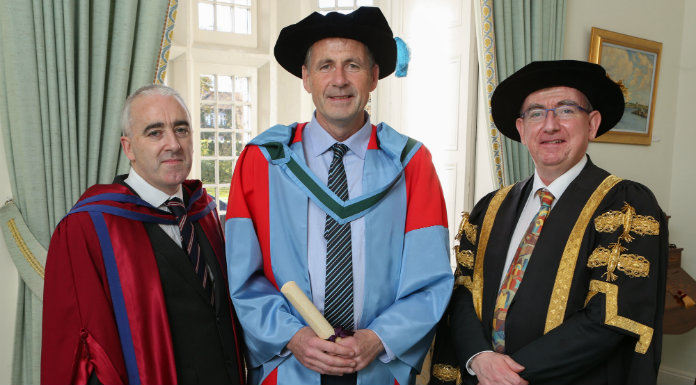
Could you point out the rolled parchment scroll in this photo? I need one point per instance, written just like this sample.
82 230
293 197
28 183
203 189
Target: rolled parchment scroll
307 310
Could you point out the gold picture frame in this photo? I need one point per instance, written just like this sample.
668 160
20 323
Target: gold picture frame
633 63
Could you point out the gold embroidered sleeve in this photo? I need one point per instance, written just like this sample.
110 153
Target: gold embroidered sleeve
612 318
467 229
447 373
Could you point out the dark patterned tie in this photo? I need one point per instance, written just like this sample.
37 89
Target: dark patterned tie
515 273
190 244
338 301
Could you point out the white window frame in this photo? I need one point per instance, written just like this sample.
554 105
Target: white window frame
195 106
225 38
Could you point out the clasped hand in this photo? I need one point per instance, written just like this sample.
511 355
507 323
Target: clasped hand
348 355
497 369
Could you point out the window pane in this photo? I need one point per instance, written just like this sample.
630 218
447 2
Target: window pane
206 17
207 143
225 144
207 87
225 117
327 3
211 191
241 89
224 195
207 116
345 3
224 18
225 171
242 117
361 3
242 139
226 1
208 171
243 2
242 20
224 88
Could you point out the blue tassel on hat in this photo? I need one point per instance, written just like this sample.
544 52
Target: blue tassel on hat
402 58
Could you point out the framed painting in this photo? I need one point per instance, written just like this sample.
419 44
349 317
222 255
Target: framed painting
634 64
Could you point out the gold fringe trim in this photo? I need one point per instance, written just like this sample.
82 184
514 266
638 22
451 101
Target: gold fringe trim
28 255
488 220
447 373
566 268
612 318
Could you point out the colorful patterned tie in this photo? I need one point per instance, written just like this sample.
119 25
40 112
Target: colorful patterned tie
516 271
190 244
338 301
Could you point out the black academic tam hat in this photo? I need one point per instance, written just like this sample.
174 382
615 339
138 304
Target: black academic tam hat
366 25
589 78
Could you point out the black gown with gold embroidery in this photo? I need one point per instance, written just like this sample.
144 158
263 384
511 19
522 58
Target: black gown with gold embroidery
589 310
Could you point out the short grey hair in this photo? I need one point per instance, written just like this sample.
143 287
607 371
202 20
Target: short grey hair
152 89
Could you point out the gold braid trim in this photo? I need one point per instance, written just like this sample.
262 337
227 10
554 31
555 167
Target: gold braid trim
447 373
630 221
465 227
566 268
465 258
28 255
633 265
612 318
488 220
464 281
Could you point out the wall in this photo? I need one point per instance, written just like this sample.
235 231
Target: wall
680 351
8 281
666 166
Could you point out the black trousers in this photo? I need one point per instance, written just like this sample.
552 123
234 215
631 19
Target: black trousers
346 379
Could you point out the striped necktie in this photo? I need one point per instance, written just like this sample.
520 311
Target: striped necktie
190 244
338 301
517 267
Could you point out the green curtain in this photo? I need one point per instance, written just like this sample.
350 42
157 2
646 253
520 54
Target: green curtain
525 31
66 66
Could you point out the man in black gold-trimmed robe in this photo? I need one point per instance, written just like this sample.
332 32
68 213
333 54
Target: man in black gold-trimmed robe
589 307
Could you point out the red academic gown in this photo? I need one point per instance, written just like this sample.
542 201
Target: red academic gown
104 308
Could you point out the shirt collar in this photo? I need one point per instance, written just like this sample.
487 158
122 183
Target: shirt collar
148 192
317 140
560 184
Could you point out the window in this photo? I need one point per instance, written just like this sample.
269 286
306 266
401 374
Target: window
225 16
226 125
223 23
343 6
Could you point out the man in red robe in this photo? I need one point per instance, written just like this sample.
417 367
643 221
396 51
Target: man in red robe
130 296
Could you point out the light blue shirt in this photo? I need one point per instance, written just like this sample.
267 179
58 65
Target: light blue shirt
317 144
317 148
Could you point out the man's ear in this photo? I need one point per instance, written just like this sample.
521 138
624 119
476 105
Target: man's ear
595 119
375 77
305 79
519 124
126 145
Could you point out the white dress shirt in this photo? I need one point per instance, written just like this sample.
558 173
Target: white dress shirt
156 198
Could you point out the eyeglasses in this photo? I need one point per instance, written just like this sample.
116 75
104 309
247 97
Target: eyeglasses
564 112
